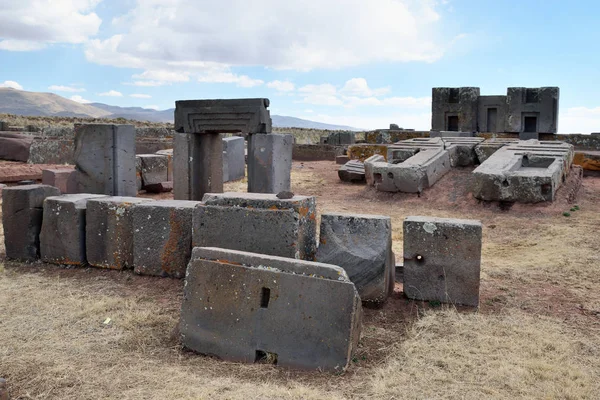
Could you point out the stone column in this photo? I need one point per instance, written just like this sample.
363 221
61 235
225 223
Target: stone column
269 162
206 169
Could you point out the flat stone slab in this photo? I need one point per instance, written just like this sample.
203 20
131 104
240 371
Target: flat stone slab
485 149
362 245
162 237
22 211
304 206
109 231
273 232
62 238
442 260
246 307
353 171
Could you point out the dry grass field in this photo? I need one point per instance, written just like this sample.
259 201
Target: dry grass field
536 334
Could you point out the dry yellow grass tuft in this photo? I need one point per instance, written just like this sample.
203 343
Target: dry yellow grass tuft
88 333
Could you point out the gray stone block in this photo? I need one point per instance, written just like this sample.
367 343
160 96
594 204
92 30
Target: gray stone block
22 211
304 206
169 154
62 238
352 171
234 158
105 160
223 116
138 173
485 149
362 245
109 231
273 232
442 260
154 168
454 109
162 237
181 166
246 307
269 163
540 105
369 164
340 138
528 135
462 150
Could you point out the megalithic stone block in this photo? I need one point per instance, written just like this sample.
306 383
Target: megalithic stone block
62 239
182 159
272 232
105 160
442 260
223 116
362 245
58 178
109 231
234 158
162 237
169 154
269 163
22 211
154 168
247 307
304 206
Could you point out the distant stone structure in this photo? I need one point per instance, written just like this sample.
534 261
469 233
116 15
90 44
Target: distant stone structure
522 110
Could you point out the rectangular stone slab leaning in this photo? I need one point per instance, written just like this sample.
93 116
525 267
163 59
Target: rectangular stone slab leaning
246 307
269 163
109 231
162 237
62 239
304 206
442 260
22 211
362 245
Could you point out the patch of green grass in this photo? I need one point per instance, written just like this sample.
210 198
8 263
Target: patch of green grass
566 214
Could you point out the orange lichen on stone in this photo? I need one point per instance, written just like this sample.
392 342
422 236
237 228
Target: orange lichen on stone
363 151
587 160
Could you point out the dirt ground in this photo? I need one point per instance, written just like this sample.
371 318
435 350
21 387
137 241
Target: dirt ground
85 333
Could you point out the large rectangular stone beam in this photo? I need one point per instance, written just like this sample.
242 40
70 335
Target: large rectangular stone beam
362 245
246 307
22 211
442 260
109 231
162 237
304 207
223 116
62 238
105 160
269 163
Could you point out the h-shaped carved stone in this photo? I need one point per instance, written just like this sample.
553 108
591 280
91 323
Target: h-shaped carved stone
223 116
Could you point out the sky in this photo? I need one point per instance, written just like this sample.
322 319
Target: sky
362 63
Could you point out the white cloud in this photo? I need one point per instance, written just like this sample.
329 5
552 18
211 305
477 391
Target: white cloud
359 87
11 84
140 96
146 83
281 86
579 120
228 77
61 88
32 24
163 76
111 93
79 99
321 95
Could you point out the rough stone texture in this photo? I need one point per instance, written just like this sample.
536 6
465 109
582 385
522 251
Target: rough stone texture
4 394
181 166
304 206
464 107
105 160
462 150
223 116
492 114
415 164
58 178
162 237
234 158
269 163
369 164
588 160
527 172
15 147
244 307
442 260
62 238
361 152
138 173
362 245
528 135
22 211
485 149
450 134
169 154
274 232
340 138
109 231
51 150
154 168
544 108
2 186
353 171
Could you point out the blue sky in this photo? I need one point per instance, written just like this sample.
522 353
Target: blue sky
364 63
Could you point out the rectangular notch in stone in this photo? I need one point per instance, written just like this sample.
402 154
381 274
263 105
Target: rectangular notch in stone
529 124
265 297
453 123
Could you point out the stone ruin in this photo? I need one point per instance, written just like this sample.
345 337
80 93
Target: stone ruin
263 281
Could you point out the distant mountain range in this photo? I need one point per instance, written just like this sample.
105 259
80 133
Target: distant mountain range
20 102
